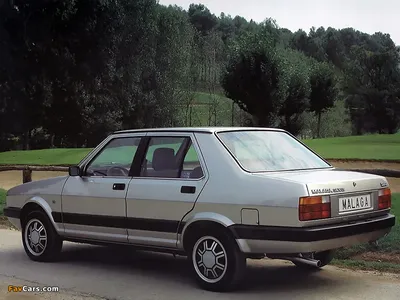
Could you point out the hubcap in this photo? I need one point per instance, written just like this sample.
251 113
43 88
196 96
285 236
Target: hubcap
35 237
209 259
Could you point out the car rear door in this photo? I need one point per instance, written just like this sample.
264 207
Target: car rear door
172 176
93 205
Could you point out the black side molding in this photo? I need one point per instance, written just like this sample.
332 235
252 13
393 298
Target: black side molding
159 225
310 234
12 212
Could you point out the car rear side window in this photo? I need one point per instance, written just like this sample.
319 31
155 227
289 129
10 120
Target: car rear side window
161 158
171 157
191 165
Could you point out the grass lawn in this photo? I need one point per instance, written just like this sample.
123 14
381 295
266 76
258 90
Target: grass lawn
389 244
373 147
43 157
2 200
387 251
201 110
73 156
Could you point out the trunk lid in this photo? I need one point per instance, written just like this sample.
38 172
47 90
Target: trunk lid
353 195
333 181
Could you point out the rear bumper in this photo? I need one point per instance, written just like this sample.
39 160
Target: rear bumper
275 240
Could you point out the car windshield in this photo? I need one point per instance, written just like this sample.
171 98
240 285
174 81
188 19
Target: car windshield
263 151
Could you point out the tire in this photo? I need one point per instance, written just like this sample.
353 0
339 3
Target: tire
220 249
325 257
43 244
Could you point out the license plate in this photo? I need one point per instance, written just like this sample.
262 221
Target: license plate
355 203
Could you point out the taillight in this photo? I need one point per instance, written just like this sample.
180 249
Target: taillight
314 208
385 199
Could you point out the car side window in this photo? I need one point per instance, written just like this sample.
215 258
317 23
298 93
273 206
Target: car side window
191 165
115 158
164 157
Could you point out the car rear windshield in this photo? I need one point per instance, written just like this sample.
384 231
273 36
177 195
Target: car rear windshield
263 151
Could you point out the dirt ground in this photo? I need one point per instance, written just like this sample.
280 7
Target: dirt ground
393 182
365 164
12 178
9 179
378 256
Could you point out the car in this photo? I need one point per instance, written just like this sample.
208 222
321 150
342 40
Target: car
217 195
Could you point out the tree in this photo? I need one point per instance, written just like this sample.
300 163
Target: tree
201 18
297 69
254 78
372 85
323 90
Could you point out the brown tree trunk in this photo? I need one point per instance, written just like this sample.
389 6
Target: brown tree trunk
319 125
27 137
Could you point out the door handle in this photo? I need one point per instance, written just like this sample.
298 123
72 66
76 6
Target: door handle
119 186
188 189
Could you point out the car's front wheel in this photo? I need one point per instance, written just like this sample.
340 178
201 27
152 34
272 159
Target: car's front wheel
40 239
217 262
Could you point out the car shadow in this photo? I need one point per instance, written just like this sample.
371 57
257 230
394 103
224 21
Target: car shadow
126 260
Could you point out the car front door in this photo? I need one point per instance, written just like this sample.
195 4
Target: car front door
93 204
171 178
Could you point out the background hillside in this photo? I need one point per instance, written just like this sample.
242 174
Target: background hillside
73 71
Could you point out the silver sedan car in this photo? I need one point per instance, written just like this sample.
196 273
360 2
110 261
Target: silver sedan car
215 195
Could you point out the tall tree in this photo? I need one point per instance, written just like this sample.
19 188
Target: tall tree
201 18
323 90
254 78
373 81
297 67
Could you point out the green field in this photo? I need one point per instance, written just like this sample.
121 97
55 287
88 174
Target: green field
204 107
2 200
388 247
389 244
373 147
73 156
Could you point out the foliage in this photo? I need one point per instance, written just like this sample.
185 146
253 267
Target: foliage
2 200
389 244
373 89
336 122
297 69
73 71
323 90
374 147
254 77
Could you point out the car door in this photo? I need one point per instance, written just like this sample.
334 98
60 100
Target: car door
93 204
171 178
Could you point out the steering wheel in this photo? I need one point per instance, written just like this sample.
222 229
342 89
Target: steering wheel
117 171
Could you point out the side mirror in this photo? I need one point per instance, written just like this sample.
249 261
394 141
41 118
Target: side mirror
74 171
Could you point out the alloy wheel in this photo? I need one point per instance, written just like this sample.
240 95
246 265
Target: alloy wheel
209 259
35 237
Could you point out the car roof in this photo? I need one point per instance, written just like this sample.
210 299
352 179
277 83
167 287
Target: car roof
197 129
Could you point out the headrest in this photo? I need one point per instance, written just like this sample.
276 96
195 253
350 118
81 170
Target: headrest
163 159
196 173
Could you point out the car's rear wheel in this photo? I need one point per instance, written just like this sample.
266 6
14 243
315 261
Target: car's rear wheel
325 257
40 239
216 261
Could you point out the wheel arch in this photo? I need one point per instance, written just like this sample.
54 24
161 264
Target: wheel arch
204 221
37 203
